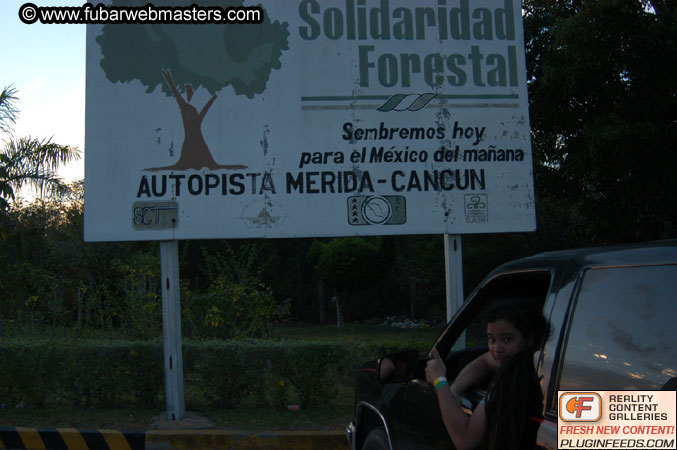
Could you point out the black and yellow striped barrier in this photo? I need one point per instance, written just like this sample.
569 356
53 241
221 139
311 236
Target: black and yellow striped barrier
69 439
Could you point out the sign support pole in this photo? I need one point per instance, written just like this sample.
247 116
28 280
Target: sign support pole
171 329
453 276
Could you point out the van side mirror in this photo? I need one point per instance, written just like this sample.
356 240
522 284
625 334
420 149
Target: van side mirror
401 367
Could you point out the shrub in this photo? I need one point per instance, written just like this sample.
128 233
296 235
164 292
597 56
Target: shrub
28 374
226 374
139 281
140 370
236 303
225 370
314 369
85 374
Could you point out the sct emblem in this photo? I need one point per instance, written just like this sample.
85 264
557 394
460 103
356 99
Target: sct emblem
377 210
155 215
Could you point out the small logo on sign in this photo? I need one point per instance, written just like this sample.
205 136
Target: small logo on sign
155 215
377 210
580 407
476 208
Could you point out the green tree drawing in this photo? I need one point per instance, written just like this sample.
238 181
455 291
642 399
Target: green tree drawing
209 56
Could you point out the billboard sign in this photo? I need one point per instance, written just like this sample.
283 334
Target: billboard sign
327 118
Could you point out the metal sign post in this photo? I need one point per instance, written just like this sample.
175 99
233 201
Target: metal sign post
171 329
453 276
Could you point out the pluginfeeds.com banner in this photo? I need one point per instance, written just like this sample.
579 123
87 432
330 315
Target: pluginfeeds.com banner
617 420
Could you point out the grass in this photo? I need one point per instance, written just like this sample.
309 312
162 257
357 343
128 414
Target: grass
334 417
351 332
357 332
68 417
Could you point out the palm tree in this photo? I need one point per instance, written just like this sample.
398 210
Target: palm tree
28 161
8 111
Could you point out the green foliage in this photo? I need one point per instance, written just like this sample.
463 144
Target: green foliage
232 310
139 280
86 374
314 369
228 371
8 109
602 81
351 267
237 303
140 372
50 276
28 160
219 374
34 162
27 375
8 116
347 264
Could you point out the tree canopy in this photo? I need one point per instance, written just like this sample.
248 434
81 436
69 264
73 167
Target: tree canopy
28 161
602 83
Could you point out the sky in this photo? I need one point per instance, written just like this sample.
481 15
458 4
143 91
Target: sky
46 64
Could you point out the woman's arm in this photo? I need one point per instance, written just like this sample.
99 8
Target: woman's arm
478 371
467 432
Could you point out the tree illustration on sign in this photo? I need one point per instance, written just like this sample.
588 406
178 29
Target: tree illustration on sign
209 56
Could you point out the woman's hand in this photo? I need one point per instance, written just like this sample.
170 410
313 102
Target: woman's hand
435 368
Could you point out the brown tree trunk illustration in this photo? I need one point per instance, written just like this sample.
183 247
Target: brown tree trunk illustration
194 152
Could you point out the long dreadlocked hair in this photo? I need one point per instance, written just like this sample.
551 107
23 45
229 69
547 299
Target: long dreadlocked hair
514 396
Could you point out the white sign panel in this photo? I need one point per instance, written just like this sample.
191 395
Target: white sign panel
329 118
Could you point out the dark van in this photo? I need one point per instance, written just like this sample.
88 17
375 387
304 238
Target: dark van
612 314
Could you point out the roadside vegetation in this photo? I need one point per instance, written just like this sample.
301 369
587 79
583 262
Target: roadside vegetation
301 380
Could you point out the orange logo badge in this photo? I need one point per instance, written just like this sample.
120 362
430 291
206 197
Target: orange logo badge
580 406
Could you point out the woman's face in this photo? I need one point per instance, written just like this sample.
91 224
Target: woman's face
505 341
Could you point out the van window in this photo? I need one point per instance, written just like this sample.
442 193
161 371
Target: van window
623 332
466 336
529 285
